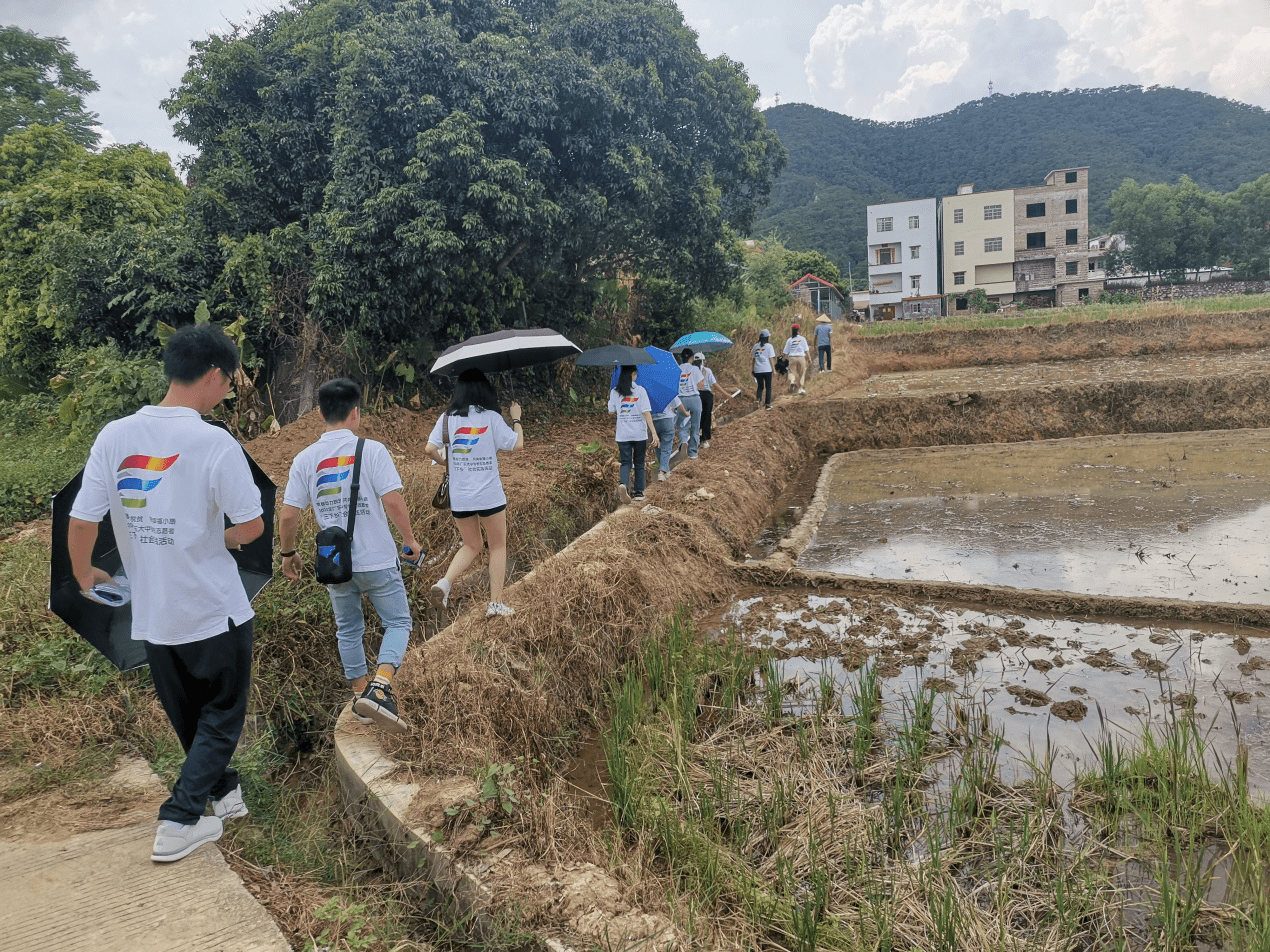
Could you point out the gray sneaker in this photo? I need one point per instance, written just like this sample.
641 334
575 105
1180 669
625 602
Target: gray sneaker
173 841
231 806
623 496
440 593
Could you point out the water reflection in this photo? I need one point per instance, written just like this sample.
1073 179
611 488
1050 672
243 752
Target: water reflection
1209 548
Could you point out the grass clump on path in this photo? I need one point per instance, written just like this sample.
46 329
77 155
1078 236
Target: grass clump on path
811 816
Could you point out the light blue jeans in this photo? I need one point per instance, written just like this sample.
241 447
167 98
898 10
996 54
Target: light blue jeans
689 427
387 593
665 427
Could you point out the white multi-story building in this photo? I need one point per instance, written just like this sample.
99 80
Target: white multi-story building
978 233
903 242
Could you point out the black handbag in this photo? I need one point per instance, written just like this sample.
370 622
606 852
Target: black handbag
334 562
441 499
782 365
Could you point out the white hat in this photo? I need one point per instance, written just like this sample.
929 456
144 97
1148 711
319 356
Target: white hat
699 356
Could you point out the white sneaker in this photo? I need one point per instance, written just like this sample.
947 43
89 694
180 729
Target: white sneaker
440 593
623 496
173 841
498 608
661 476
801 392
231 806
705 445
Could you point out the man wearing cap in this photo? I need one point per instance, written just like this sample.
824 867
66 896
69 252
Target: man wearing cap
796 350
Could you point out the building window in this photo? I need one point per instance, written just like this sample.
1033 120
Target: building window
963 304
1070 177
1082 293
959 247
992 244
886 256
917 309
1036 239
1071 206
959 277
914 221
991 212
1071 236
917 284
1036 210
956 216
914 252
1072 266
885 224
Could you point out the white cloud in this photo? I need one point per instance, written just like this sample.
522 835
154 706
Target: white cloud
907 58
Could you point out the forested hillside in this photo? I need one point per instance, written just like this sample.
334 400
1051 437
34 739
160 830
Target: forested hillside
839 165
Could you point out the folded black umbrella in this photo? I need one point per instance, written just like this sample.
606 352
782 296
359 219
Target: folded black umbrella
108 628
614 355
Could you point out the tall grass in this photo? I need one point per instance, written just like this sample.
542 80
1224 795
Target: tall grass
788 822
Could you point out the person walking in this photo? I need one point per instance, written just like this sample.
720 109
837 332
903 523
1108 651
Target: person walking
690 378
706 390
321 476
763 356
635 427
824 346
664 423
476 432
796 350
173 480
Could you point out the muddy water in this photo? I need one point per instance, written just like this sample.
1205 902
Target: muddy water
1051 685
1185 517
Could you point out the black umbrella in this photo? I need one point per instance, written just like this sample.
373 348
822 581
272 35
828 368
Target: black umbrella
614 355
109 629
505 350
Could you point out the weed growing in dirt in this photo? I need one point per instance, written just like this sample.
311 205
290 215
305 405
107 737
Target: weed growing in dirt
786 819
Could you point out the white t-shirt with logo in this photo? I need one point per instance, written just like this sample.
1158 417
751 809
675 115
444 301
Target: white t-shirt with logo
475 441
690 378
707 379
796 346
669 411
763 354
322 477
630 414
168 479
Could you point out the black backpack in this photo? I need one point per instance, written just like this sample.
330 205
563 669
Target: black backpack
334 562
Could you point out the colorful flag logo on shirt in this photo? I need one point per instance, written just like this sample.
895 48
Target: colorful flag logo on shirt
331 480
471 435
628 404
149 464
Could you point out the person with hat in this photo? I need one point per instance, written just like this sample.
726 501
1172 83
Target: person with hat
824 352
796 350
764 354
706 390
689 430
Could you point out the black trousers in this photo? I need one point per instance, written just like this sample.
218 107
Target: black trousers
707 411
203 687
764 380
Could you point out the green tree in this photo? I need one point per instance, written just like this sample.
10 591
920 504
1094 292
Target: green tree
41 83
457 166
60 228
1249 223
799 263
1147 215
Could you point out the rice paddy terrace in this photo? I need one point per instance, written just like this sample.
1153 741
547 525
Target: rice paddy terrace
994 683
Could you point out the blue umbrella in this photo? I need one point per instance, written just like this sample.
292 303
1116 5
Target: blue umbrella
660 379
707 342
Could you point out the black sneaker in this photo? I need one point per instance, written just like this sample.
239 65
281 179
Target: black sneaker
380 706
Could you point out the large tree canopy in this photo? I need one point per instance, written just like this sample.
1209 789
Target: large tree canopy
41 84
460 164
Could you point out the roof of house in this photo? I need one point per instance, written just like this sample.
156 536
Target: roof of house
814 278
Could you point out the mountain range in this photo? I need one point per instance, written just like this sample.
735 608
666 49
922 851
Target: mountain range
839 165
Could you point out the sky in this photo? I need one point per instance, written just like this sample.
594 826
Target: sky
886 60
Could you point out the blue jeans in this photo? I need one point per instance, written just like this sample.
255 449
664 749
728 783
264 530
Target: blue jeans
625 451
665 427
689 427
388 594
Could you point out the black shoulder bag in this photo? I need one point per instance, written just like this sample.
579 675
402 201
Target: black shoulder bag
441 499
334 562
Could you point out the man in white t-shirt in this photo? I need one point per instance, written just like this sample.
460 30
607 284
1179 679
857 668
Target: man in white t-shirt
169 480
321 476
796 350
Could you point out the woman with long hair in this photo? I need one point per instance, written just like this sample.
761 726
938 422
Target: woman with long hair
476 433
635 429
764 354
689 429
